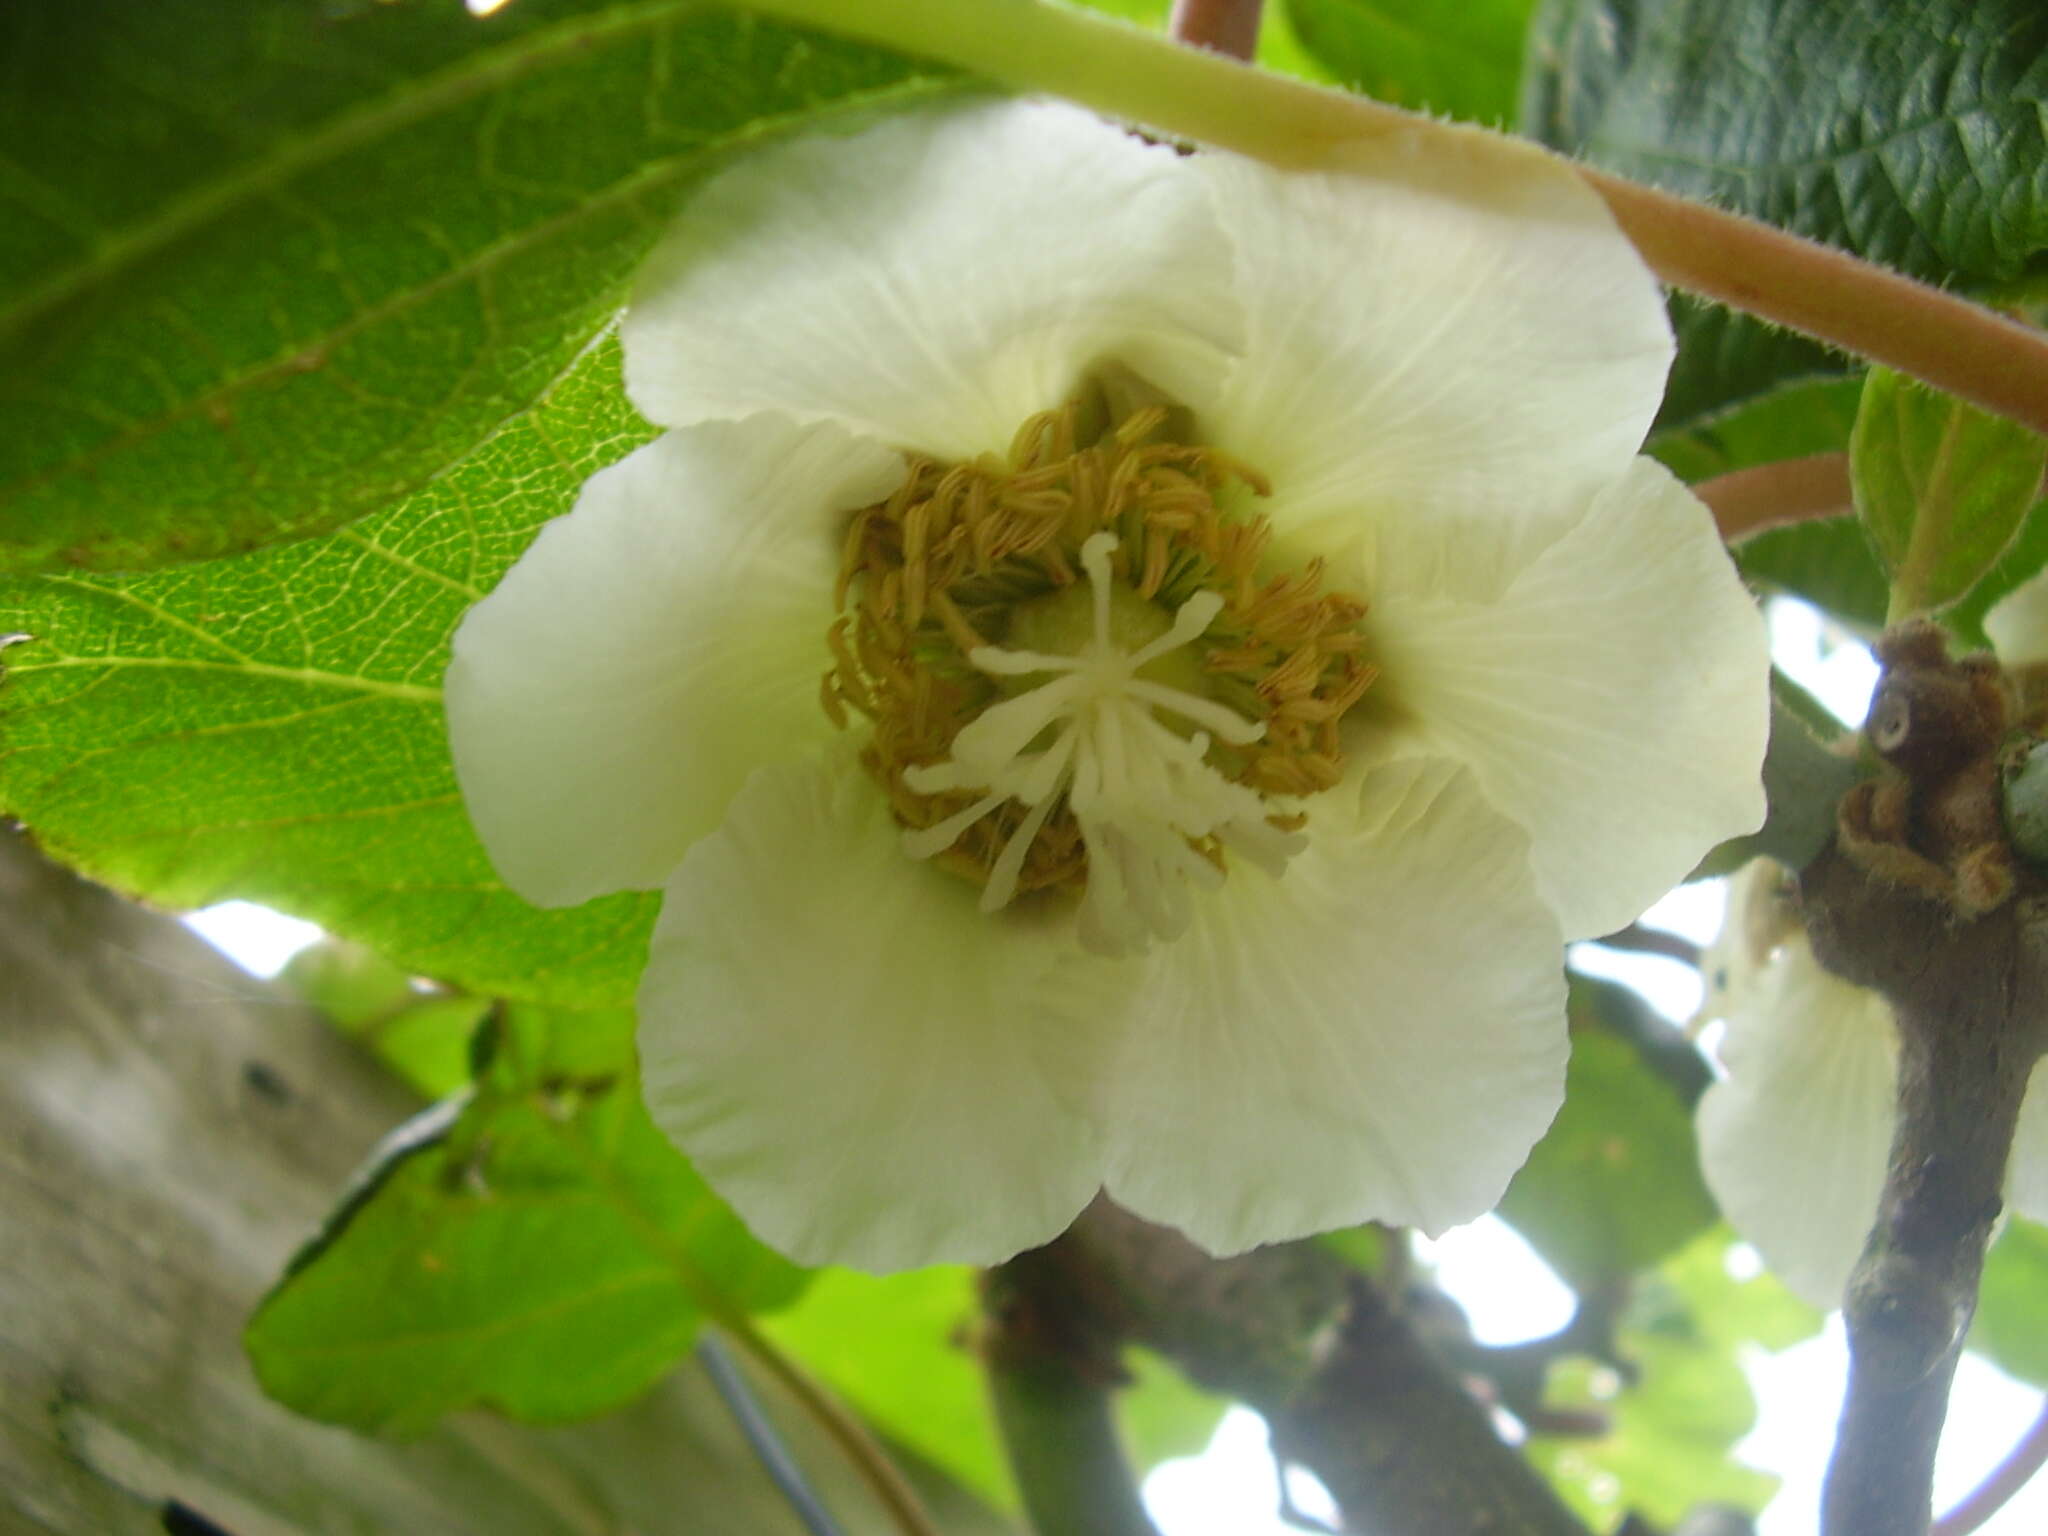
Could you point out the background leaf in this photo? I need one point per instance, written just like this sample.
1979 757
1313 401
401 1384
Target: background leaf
1614 1185
267 266
1909 131
543 1251
269 727
1940 487
2011 1327
1674 1426
1460 60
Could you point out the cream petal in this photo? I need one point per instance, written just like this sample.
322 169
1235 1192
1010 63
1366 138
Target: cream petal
1377 1035
1795 1139
1434 330
2018 623
2026 1181
871 1071
933 280
1613 698
652 647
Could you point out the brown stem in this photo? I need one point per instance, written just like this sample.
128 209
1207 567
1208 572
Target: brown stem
1921 898
1348 1386
1228 27
1749 501
2006 1479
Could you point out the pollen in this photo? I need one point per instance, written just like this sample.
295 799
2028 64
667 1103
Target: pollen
1081 676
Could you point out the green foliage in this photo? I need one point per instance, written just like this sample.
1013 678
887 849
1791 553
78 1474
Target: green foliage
1940 486
1825 560
422 1035
2011 1328
1672 1428
1910 133
538 1247
1464 60
1615 1183
900 1348
1804 780
1789 422
307 257
269 727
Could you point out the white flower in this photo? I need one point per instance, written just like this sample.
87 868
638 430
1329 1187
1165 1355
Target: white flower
1795 1139
1250 648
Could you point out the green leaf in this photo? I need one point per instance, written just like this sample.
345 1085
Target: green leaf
1941 488
544 1252
1461 60
2012 1321
1674 1426
898 1348
269 727
266 267
2025 557
1827 561
1911 134
1614 1185
1789 422
422 1035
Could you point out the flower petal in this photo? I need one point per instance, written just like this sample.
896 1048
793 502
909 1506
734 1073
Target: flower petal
2026 1182
1378 1034
933 280
1794 1140
652 647
2018 623
870 1070
1613 699
1433 330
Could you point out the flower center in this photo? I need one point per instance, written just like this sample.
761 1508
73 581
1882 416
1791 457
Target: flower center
1117 730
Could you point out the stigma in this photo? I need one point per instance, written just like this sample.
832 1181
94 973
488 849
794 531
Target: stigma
1141 789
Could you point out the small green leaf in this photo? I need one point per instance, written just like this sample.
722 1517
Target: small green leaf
1615 1184
544 1252
267 267
2012 1323
1941 488
1461 60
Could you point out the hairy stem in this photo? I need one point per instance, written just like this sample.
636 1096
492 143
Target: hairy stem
1228 27
1192 93
2006 1479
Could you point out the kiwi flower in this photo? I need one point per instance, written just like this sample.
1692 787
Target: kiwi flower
1126 667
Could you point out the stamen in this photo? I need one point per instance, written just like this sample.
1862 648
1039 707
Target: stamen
1128 789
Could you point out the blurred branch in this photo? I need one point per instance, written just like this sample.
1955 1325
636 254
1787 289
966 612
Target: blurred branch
1750 501
2006 1479
1349 1388
1051 1372
1229 27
